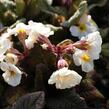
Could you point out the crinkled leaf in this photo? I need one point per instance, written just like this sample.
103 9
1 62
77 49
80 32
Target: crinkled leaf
42 74
30 101
89 91
65 99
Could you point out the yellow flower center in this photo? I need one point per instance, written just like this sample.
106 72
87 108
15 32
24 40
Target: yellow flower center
82 27
12 73
21 33
86 57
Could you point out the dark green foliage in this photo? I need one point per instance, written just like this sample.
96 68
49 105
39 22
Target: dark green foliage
30 101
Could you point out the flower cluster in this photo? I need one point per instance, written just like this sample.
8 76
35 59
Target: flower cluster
10 56
83 52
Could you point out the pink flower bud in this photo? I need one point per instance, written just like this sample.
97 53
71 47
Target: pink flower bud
62 63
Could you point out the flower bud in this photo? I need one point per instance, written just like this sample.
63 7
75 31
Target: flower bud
62 63
11 58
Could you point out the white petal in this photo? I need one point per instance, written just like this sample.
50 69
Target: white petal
83 18
4 66
13 81
5 45
64 78
76 57
12 67
74 31
29 43
87 67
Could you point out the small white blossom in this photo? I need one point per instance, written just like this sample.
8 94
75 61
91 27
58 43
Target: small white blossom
20 28
41 28
5 44
82 58
37 29
65 78
94 42
85 26
11 58
12 75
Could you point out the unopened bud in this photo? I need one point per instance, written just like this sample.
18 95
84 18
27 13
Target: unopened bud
11 58
62 63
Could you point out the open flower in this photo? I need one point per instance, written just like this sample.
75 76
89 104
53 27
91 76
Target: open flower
12 75
85 26
20 28
5 44
37 29
82 58
65 78
93 45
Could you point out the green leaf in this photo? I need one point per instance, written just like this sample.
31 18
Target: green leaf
105 49
20 7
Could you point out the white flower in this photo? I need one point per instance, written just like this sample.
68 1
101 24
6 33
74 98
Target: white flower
12 75
5 44
82 58
65 78
20 28
11 58
37 29
85 26
41 28
94 42
33 37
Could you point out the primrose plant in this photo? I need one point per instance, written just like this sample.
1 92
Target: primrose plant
83 52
